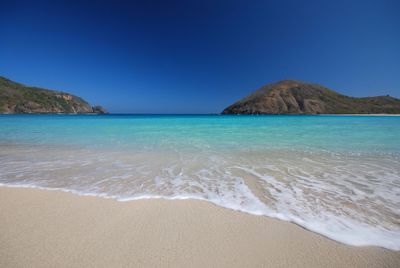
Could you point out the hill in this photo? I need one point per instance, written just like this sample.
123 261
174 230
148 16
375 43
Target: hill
16 98
296 97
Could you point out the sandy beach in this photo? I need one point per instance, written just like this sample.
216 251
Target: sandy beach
40 228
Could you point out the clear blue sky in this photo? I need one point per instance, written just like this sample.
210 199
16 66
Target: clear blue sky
198 56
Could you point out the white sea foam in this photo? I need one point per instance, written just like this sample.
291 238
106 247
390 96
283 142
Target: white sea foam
354 199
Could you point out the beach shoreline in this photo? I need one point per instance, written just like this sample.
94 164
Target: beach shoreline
41 228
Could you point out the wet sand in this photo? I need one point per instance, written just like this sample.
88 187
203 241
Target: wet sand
40 228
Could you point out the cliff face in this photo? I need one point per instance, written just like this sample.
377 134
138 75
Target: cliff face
295 97
16 98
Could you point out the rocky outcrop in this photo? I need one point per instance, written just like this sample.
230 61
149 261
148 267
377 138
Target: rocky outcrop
296 97
99 110
17 98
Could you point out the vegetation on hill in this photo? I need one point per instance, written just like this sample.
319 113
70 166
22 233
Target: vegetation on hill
19 99
295 97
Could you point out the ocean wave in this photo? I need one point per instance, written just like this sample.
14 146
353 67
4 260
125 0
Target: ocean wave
353 199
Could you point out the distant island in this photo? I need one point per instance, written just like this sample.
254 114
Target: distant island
16 98
296 97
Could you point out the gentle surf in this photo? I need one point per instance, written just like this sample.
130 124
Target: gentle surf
335 175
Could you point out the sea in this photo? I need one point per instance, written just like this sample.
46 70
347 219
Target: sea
338 176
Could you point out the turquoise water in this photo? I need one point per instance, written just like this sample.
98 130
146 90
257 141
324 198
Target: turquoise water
335 175
334 133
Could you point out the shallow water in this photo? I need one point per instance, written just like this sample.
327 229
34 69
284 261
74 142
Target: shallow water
335 175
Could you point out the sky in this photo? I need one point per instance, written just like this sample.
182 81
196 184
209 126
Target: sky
198 56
